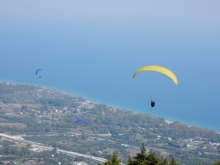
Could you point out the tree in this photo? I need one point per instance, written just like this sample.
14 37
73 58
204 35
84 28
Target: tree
217 163
173 161
54 151
113 160
165 162
151 159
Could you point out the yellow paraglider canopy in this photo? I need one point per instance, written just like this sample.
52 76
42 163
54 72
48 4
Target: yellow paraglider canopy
158 69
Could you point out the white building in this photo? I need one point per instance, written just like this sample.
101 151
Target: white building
80 163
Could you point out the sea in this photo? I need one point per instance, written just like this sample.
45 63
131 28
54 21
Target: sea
113 85
97 63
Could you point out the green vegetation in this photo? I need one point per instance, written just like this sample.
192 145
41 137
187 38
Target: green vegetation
143 159
47 116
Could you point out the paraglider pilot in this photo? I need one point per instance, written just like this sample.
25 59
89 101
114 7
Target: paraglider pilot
153 103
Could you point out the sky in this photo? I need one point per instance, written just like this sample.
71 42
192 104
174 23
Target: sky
92 48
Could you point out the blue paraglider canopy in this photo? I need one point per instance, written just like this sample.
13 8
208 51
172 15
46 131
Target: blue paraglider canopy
36 72
81 121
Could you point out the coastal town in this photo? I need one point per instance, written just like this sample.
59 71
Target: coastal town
107 127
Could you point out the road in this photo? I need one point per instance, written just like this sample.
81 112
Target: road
43 146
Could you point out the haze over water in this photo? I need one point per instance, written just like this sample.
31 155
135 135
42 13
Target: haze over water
91 50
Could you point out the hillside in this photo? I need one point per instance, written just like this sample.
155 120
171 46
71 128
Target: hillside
48 116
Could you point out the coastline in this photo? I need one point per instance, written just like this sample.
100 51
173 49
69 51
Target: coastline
169 120
107 103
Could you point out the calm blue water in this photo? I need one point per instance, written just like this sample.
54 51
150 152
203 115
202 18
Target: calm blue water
97 63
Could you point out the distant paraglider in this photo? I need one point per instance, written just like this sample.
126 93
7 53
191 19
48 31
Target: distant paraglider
36 72
159 69
81 121
152 103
